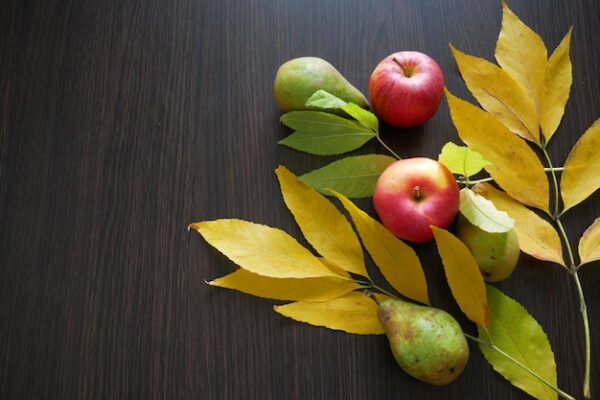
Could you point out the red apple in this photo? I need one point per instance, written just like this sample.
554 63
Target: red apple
406 88
414 193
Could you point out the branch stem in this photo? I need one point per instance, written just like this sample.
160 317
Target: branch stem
387 147
554 180
586 327
573 269
520 364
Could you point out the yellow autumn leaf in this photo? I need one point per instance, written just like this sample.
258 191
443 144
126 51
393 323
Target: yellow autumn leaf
309 289
499 94
537 237
323 226
514 165
589 244
463 276
353 313
581 177
557 84
521 52
398 262
261 249
335 268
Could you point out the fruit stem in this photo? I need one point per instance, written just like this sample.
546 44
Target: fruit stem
407 70
382 290
417 192
520 364
387 147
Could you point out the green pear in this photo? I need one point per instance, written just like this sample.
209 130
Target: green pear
299 78
427 342
496 253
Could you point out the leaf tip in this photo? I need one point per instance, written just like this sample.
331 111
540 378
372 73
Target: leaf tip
195 226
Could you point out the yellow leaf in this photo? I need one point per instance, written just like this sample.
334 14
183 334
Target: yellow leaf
353 313
557 85
589 244
522 53
537 237
338 270
463 276
499 94
261 249
323 226
580 178
396 260
515 167
309 289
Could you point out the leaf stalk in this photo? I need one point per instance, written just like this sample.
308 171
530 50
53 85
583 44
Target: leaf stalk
387 147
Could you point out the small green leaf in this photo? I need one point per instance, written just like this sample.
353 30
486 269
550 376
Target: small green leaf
366 118
324 100
320 122
517 333
462 160
353 177
482 213
327 143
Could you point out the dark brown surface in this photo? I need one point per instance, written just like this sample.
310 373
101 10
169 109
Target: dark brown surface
121 122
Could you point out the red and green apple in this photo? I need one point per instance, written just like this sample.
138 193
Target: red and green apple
414 193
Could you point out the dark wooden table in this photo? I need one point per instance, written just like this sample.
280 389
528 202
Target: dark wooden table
123 121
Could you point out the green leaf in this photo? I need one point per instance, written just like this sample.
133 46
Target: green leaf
462 160
354 177
320 122
366 118
517 333
325 100
482 213
324 134
326 143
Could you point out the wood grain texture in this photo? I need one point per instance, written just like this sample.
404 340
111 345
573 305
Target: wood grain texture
121 122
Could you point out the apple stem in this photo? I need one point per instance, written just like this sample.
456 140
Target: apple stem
408 71
417 192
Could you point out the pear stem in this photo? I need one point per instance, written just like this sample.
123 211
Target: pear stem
520 364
